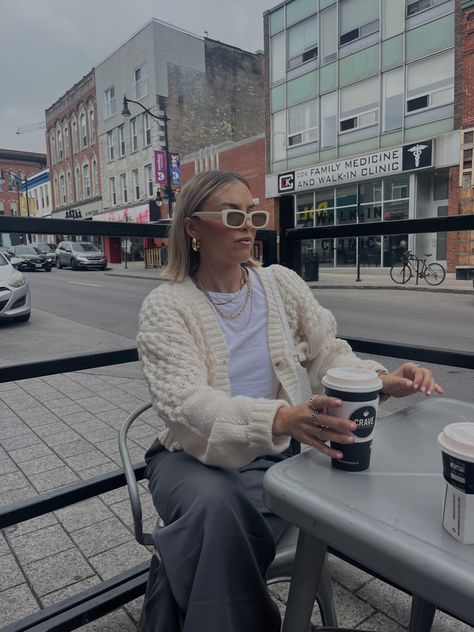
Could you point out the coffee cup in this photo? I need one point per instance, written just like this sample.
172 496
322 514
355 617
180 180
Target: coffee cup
457 448
359 391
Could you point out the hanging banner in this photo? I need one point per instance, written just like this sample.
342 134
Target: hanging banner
175 169
160 168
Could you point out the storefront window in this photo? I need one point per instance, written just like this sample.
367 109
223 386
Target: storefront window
346 195
394 247
370 191
396 188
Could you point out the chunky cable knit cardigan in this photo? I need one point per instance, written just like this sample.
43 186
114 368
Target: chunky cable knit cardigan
185 359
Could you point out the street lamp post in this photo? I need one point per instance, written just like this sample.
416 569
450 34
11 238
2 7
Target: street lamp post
126 113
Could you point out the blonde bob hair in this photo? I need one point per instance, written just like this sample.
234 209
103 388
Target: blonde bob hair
182 260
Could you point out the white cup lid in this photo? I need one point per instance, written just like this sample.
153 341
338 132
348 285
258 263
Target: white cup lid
458 439
352 380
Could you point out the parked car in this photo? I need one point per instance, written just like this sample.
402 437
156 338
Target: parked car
15 299
48 249
31 258
80 254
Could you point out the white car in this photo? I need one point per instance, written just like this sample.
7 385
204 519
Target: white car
15 298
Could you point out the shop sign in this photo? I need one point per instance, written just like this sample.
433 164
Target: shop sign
136 214
352 169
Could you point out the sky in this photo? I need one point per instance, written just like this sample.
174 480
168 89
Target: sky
46 46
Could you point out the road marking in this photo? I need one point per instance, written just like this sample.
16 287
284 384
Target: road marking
78 283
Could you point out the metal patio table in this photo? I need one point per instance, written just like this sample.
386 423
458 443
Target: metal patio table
386 519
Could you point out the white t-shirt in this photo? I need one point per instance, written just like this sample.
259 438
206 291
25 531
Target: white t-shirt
250 368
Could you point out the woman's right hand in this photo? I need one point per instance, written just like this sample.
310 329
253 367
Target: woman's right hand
310 424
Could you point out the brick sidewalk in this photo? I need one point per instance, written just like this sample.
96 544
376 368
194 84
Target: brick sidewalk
63 428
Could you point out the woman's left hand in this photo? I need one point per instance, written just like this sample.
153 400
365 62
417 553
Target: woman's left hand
409 379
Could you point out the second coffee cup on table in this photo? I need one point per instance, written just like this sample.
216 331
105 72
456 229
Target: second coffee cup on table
359 391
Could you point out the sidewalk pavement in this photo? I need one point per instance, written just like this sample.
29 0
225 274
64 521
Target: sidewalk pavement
329 278
60 429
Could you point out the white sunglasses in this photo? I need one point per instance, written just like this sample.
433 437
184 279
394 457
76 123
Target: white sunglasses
233 218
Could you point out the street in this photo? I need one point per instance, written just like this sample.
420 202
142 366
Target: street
79 312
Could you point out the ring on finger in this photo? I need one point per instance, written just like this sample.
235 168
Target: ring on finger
311 402
314 418
321 427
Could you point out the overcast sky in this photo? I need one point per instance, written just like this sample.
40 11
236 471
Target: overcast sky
48 45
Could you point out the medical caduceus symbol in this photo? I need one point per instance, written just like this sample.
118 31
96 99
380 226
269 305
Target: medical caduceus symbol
417 150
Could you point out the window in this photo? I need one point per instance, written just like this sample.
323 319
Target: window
302 42
466 171
70 196
329 119
359 105
109 102
95 177
136 186
121 141
277 60
328 34
87 180
148 180
42 196
140 77
134 134
430 82
82 121
357 18
420 5
62 188
74 135
303 123
146 130
113 195
52 149
78 184
67 148
279 140
92 125
430 38
393 82
110 145
123 187
60 145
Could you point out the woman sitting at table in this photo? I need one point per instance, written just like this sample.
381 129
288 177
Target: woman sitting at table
222 379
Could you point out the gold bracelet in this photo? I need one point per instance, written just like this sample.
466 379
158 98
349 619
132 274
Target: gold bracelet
382 396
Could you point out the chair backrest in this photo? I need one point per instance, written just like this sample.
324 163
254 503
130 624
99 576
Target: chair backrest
141 538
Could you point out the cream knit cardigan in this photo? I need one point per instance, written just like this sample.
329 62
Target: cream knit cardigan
185 359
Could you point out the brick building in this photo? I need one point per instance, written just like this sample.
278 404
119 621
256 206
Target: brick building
246 157
365 110
15 167
461 191
73 151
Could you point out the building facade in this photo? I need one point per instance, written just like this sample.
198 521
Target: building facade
360 120
73 151
210 91
16 168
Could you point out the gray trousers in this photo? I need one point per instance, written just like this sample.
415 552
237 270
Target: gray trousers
215 548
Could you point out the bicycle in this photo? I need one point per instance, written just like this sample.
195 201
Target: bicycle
402 271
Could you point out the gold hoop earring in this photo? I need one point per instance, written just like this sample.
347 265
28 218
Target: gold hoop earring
195 244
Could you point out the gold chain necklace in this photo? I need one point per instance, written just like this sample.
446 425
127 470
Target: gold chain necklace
242 283
216 305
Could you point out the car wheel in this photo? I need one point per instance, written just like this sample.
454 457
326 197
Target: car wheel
58 263
23 319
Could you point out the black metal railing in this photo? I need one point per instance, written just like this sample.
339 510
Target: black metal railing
111 594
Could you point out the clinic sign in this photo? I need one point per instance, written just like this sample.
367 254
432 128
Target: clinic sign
353 169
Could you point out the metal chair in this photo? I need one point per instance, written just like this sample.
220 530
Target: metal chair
279 571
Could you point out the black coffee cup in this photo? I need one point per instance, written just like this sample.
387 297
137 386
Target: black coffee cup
359 391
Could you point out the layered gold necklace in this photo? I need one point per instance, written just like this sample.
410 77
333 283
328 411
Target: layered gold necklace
230 316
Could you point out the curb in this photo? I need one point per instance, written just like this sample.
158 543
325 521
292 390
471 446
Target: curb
326 286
